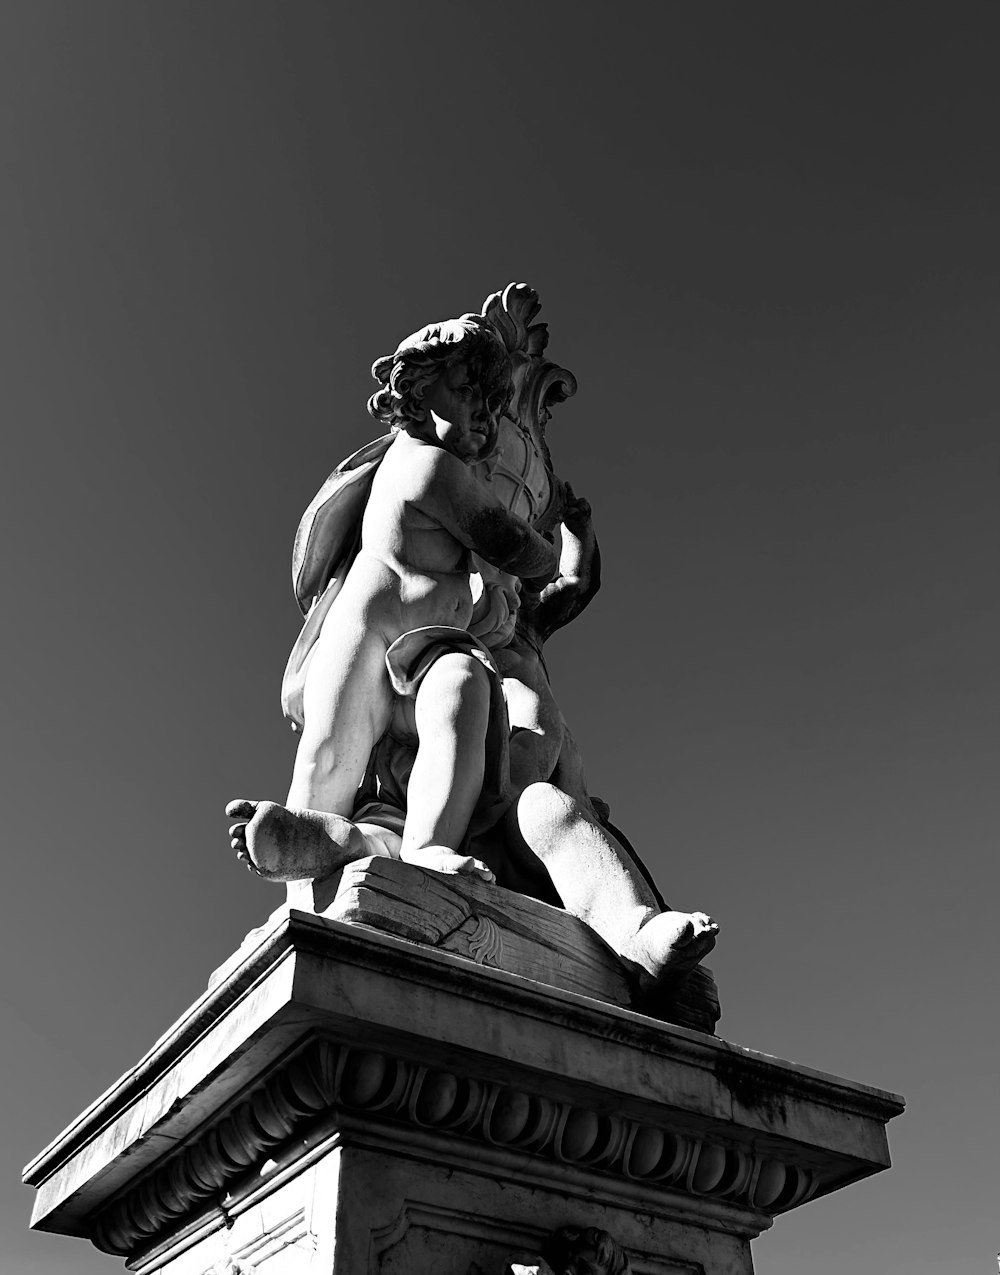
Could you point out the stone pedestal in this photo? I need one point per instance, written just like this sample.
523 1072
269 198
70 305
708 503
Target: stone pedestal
344 1100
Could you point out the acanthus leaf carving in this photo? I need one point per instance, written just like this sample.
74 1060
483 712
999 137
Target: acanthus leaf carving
477 938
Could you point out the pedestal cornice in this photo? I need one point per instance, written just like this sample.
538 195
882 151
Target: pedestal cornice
330 1032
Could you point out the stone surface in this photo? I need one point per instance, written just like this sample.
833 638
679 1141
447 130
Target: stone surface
344 1100
504 930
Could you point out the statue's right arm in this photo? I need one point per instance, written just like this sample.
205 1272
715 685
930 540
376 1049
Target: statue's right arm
579 569
446 490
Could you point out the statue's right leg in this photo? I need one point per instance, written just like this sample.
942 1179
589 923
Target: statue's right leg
347 705
290 844
347 702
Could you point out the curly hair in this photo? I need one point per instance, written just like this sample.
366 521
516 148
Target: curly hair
420 358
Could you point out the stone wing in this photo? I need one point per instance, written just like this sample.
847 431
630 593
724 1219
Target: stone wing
330 528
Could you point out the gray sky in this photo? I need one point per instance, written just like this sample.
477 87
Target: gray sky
765 239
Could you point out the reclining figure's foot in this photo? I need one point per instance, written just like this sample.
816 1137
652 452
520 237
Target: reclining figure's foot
442 859
293 845
672 943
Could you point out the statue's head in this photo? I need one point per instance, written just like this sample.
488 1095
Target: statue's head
585 1250
469 343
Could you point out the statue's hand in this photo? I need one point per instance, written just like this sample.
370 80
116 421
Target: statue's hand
535 584
530 597
552 516
577 515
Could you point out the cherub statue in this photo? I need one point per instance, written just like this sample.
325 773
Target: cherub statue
429 729
443 392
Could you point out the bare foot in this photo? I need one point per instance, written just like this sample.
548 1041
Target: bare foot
442 859
293 845
672 943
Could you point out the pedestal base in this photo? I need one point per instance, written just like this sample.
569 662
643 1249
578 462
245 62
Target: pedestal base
369 1208
348 1101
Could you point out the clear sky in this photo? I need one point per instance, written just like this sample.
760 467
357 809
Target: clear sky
766 240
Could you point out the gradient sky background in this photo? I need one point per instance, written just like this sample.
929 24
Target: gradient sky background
767 240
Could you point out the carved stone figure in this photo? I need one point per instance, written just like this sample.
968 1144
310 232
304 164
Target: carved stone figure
574 1250
445 388
432 566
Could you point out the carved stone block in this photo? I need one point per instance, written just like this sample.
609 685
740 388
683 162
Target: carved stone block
346 1101
504 930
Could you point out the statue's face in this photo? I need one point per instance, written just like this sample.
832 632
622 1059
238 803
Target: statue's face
463 420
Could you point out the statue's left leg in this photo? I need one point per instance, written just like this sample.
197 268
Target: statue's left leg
598 882
452 713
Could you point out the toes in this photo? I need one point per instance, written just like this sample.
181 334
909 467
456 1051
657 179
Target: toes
238 838
442 859
468 866
241 809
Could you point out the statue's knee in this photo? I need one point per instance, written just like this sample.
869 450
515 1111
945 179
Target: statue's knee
458 682
459 667
542 811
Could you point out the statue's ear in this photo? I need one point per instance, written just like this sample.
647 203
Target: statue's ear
417 392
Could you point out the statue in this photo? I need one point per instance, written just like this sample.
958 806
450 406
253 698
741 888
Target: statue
445 388
431 567
573 1250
